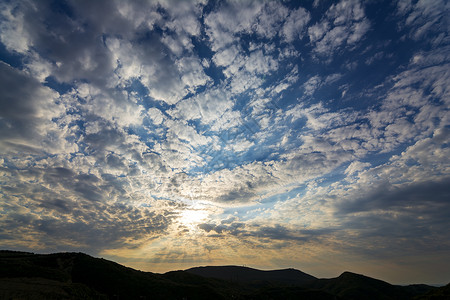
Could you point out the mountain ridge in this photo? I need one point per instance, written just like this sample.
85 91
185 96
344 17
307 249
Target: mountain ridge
71 275
251 275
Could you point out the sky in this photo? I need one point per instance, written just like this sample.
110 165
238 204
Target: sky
272 134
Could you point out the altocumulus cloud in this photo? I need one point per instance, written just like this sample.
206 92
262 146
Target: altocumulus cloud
167 134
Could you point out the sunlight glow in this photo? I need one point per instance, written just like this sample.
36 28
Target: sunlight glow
193 217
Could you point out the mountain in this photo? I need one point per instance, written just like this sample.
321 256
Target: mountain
77 275
249 275
352 286
442 293
26 275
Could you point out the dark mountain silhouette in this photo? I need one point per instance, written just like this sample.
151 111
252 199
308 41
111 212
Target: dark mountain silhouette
352 286
79 276
442 293
55 275
249 275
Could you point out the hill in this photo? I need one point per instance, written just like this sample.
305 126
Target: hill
254 276
442 293
79 276
352 286
69 275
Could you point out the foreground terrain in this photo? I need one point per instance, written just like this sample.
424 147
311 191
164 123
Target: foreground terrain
79 276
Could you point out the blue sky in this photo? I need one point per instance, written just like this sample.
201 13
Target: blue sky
171 134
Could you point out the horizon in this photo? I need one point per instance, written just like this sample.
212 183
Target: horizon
312 135
236 266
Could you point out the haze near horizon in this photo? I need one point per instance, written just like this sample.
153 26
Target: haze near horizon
274 134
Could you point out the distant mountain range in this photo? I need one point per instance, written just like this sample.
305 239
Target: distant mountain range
79 276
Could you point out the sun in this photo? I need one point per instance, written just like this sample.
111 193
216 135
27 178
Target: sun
192 217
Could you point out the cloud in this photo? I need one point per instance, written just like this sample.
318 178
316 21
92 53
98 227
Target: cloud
155 115
270 20
267 20
184 16
389 197
82 55
208 107
403 202
166 78
230 19
71 210
266 236
27 110
259 63
344 25
409 184
295 24
311 85
355 167
12 32
317 31
226 56
193 74
413 90
186 133
118 108
425 19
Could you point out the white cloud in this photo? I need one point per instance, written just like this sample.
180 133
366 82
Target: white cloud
27 110
312 85
265 19
209 107
38 67
229 120
12 32
332 78
155 115
426 19
349 27
226 56
192 73
166 79
288 80
184 16
138 15
295 24
242 69
412 93
259 63
356 166
332 40
229 20
317 31
345 11
358 30
240 146
174 44
270 19
244 81
187 133
280 87
112 106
